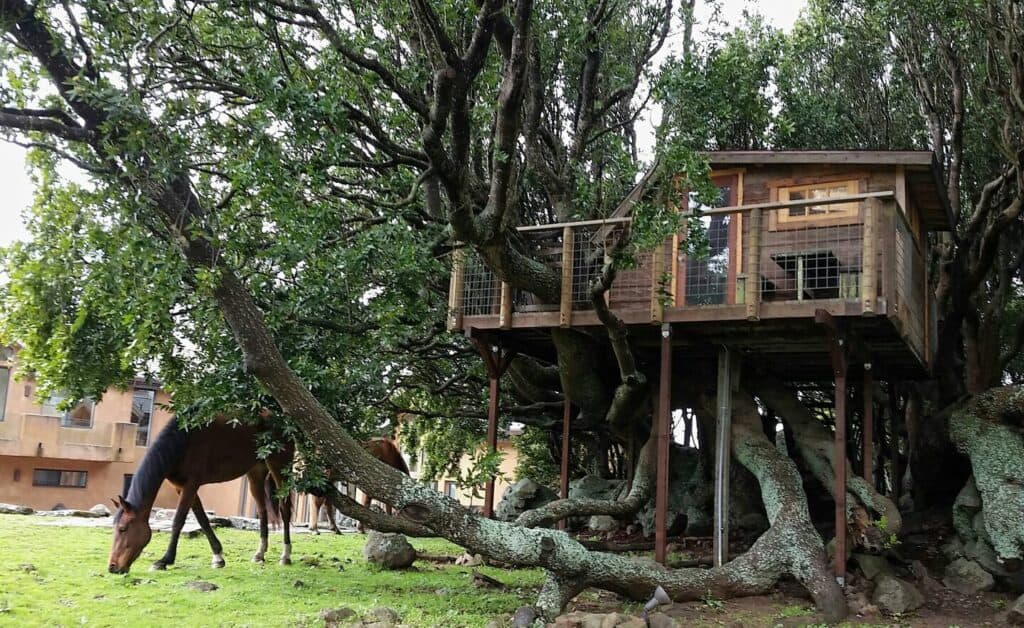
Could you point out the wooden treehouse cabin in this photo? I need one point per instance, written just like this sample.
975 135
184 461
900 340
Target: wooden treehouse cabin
811 262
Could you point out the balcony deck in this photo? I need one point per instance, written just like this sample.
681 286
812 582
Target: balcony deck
37 435
765 271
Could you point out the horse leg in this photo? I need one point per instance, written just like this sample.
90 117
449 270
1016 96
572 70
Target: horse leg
314 525
330 517
256 479
366 504
286 514
185 499
204 522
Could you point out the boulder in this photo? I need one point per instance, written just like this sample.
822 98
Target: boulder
894 596
524 495
14 509
469 560
524 617
872 565
967 576
100 510
603 523
333 617
381 615
391 551
199 585
921 573
661 620
1015 616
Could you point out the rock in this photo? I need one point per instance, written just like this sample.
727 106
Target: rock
661 620
27 567
578 619
632 622
244 523
470 560
332 617
894 596
524 495
953 549
496 623
199 585
981 552
921 573
830 550
310 561
221 522
858 604
1015 616
298 584
524 616
872 566
381 615
967 576
391 551
14 509
618 620
100 510
603 523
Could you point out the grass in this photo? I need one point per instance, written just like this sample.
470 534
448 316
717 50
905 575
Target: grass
56 576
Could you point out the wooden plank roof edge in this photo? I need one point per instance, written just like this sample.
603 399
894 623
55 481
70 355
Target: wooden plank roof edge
867 157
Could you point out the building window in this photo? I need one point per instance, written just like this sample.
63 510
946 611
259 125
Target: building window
451 490
142 415
809 213
78 416
5 378
56 477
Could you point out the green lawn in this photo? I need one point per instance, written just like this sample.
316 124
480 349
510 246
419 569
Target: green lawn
69 585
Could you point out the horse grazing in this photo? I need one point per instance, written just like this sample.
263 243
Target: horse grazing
383 449
217 452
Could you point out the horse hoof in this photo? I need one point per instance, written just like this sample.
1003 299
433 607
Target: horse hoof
217 564
316 532
337 531
285 561
159 566
258 559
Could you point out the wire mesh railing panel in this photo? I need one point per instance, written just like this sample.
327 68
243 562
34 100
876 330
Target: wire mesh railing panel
589 249
809 260
481 293
910 283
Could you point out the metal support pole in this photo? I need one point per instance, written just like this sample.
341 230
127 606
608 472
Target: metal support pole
663 421
564 474
492 443
869 425
723 456
840 462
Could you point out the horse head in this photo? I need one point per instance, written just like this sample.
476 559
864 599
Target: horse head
131 535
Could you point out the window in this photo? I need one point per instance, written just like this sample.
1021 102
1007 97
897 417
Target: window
5 378
806 213
142 414
78 416
56 477
451 490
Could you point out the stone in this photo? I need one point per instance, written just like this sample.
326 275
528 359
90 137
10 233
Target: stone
496 623
603 523
391 551
469 560
333 617
1015 616
220 522
524 617
661 620
100 510
199 585
894 596
526 494
953 549
578 619
872 565
858 604
921 573
381 615
15 509
968 577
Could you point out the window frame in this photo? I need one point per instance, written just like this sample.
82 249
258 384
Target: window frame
149 423
5 390
65 419
835 214
70 474
451 489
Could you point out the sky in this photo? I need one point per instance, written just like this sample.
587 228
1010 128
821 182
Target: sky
16 188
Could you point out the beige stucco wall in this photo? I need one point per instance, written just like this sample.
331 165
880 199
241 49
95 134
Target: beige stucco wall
106 451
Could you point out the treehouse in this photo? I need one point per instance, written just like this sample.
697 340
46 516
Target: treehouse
808 263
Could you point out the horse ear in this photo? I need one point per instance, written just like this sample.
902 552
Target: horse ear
124 504
117 504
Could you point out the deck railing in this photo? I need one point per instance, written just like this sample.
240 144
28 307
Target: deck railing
859 249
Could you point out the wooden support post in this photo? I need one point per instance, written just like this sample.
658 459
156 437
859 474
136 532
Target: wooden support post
723 457
657 268
564 472
565 304
455 288
753 268
868 429
492 443
839 373
505 312
869 264
663 420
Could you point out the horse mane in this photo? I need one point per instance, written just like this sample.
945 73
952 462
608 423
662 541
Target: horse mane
165 451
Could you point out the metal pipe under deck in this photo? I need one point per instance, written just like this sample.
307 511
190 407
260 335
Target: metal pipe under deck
492 443
723 457
663 420
564 472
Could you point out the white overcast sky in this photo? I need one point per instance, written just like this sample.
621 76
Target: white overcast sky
16 188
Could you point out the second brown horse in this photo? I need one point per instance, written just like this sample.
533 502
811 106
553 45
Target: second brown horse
383 449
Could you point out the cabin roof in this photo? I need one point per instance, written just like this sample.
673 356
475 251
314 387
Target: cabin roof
924 184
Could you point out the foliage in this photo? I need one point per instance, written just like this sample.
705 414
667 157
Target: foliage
535 460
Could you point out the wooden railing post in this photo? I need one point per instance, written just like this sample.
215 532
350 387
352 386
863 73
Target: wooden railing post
565 304
455 289
869 264
657 268
752 289
505 310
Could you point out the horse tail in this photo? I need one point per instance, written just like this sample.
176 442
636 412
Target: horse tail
272 503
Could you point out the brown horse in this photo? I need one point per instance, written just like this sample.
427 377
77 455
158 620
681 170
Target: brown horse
217 452
383 449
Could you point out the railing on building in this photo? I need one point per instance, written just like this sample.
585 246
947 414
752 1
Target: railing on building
42 436
757 263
